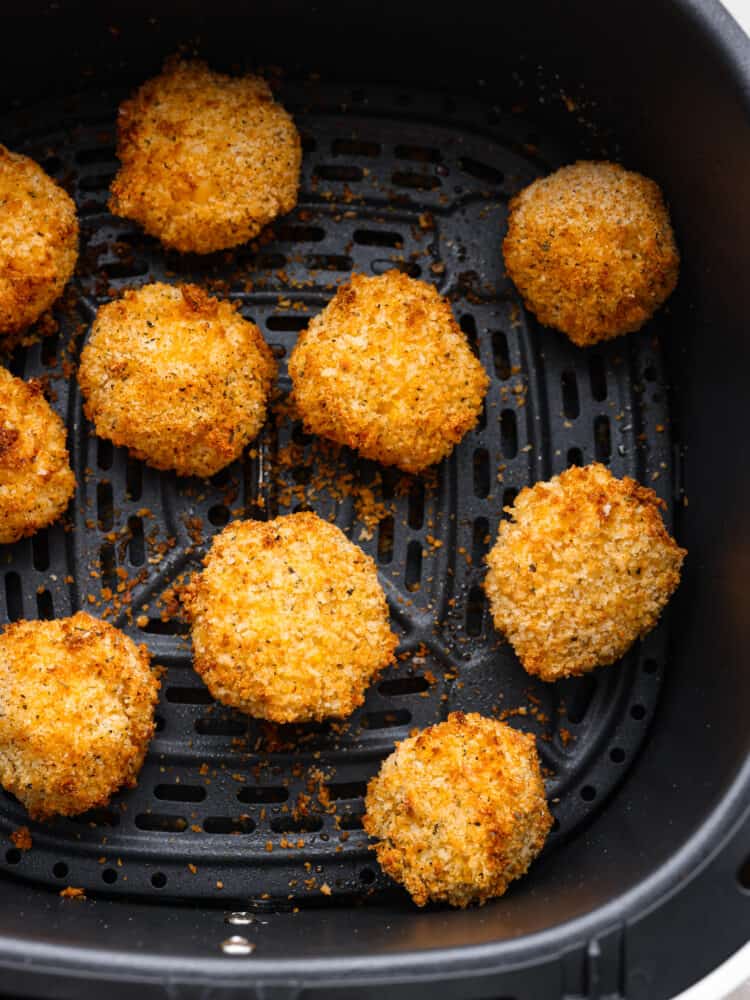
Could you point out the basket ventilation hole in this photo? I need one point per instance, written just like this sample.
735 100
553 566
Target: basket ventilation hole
339 172
104 453
501 354
109 875
469 326
155 626
107 563
354 147
220 727
367 875
617 755
13 596
481 473
104 505
509 498
602 441
161 822
385 540
598 378
378 238
508 434
482 171
300 234
137 545
134 478
13 856
650 667
405 266
415 181
328 262
743 875
638 712
413 572
305 824
49 350
287 324
350 821
480 541
571 404
189 696
260 795
40 550
416 504
228 826
44 606
60 870
575 456
421 154
403 685
218 515
588 793
475 605
581 699
649 373
180 793
158 880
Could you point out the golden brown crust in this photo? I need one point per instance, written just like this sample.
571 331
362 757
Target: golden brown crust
176 376
38 243
591 250
207 159
77 701
386 369
36 481
582 570
289 622
459 810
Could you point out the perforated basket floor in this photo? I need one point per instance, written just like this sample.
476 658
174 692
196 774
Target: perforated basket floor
228 808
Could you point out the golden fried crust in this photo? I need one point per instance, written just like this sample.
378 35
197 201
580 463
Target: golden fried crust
77 701
176 376
36 481
207 159
582 570
459 810
38 243
386 369
591 250
289 621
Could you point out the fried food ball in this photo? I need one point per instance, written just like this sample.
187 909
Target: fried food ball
38 243
386 369
36 481
77 701
591 250
583 569
459 810
177 377
207 159
289 621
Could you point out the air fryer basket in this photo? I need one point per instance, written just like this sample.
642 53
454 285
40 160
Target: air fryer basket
242 829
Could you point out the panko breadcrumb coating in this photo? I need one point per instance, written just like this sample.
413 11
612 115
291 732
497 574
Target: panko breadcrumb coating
77 701
582 570
459 810
36 481
386 369
176 376
207 159
591 250
289 622
38 243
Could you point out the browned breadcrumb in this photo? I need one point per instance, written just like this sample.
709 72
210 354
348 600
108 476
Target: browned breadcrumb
207 159
78 706
386 369
458 811
21 838
36 481
289 622
591 250
583 568
71 892
176 376
38 243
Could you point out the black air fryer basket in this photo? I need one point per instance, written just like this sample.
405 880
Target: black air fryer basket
239 865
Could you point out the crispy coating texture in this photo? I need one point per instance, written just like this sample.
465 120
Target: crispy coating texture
176 376
386 369
36 481
459 810
38 243
77 701
591 250
207 159
289 621
583 569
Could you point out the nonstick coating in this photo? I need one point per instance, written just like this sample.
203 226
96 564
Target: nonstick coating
401 179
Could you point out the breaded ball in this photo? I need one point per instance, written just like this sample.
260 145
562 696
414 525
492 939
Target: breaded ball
77 701
38 243
207 159
386 369
459 810
177 377
36 481
583 569
289 621
591 250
